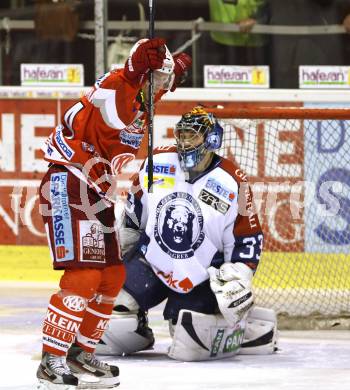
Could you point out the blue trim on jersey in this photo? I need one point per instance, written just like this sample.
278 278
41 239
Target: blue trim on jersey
248 249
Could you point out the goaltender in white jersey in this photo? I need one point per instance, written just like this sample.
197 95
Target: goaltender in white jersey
187 222
194 241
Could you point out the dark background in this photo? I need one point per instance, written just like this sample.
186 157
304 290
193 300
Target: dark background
283 53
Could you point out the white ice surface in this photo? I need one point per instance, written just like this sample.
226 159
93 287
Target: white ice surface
306 360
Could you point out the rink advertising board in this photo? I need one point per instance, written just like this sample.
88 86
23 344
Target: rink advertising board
25 123
229 76
328 233
324 77
52 75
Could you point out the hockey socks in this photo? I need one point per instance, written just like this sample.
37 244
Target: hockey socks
96 319
63 319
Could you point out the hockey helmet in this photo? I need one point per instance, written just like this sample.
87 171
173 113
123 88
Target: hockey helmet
163 77
197 133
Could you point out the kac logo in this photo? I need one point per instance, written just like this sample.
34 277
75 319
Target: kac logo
179 227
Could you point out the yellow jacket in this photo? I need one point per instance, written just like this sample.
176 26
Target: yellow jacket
233 12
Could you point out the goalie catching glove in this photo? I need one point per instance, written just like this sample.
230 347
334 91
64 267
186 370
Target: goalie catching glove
232 286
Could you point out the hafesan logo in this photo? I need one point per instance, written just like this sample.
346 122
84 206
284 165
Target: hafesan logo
52 74
221 76
324 77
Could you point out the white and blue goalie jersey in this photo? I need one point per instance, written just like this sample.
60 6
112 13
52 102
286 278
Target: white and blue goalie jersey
186 223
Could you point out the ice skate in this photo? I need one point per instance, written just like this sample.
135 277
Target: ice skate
53 373
92 373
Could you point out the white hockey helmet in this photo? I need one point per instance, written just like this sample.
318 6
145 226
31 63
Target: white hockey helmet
163 77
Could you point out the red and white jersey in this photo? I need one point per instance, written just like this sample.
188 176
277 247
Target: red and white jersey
187 222
101 132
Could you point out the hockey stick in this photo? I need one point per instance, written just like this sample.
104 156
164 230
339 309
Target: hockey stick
150 104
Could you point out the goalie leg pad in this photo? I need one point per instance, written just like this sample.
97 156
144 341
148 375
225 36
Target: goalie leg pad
260 337
199 337
126 334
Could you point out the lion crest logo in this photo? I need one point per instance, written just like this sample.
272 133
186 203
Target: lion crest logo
179 226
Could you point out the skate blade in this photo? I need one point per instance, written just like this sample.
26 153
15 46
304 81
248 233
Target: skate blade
91 382
46 385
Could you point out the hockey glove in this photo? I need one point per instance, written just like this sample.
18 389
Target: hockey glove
183 62
231 285
147 54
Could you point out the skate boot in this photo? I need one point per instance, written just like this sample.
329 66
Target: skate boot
92 373
53 373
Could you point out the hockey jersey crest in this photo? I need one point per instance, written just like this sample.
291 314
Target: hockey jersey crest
187 223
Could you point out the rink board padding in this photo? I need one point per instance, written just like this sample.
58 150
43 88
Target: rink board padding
296 270
27 264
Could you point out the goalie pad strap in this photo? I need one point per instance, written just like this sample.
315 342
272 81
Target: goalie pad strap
261 335
187 324
262 340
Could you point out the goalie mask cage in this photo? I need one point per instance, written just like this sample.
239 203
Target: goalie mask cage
297 161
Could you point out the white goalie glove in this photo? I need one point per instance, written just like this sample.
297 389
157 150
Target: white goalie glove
232 286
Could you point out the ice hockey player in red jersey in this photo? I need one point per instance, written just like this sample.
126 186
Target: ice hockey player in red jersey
96 137
195 244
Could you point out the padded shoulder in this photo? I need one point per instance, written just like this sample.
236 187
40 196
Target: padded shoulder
233 170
